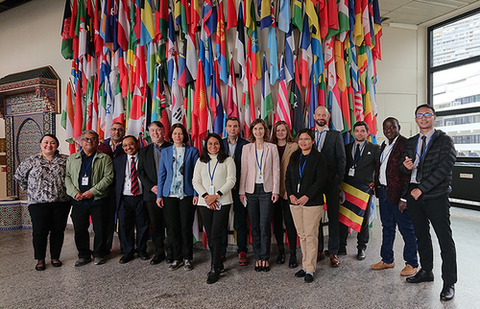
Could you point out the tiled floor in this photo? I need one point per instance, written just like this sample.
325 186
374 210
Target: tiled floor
141 285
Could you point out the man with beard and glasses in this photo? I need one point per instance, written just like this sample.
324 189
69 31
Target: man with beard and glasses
330 144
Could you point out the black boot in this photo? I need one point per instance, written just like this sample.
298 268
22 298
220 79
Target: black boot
214 273
281 255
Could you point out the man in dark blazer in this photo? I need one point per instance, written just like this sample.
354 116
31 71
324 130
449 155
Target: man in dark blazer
428 160
330 144
389 186
362 156
147 171
130 206
234 146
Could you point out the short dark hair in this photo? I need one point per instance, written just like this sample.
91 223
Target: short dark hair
131 136
395 120
89 132
232 119
297 152
184 131
361 123
117 123
222 154
55 138
426 106
251 137
156 123
274 139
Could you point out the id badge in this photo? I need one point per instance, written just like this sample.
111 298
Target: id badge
414 173
298 187
211 190
351 172
85 181
260 178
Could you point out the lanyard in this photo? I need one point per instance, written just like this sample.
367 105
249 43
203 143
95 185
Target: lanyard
261 159
359 154
382 158
88 165
212 174
154 145
317 140
300 170
416 147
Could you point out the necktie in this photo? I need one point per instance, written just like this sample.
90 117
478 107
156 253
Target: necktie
134 178
424 144
357 151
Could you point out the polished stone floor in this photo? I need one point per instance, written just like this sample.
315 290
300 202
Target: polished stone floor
141 285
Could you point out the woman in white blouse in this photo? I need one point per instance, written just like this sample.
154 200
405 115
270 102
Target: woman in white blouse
213 179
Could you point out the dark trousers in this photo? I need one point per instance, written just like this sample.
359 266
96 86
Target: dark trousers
110 219
240 225
260 209
282 213
132 213
214 222
332 194
48 218
157 225
179 215
436 211
363 236
81 214
391 217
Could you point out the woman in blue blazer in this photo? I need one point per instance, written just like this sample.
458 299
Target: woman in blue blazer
176 195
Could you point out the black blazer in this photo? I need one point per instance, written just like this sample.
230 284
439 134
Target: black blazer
147 171
119 165
313 180
365 169
237 156
334 151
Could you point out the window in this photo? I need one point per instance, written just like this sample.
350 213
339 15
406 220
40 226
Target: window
454 80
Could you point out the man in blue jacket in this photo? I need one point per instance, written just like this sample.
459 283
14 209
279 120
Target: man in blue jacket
428 160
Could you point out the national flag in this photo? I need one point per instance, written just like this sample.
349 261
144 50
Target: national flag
312 100
232 105
205 53
147 32
78 119
283 108
182 15
194 17
81 29
221 45
342 83
332 19
216 104
284 16
182 61
98 40
306 48
323 15
123 24
297 103
89 17
118 108
106 31
159 108
343 19
68 115
136 116
377 51
199 110
177 97
191 60
333 93
151 62
358 27
172 51
315 41
272 45
231 13
266 105
161 20
297 14
366 23
264 13
240 45
248 100
253 49
289 49
67 41
354 198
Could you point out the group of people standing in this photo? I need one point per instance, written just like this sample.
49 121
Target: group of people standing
267 177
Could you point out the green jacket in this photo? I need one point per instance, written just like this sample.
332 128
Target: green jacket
102 175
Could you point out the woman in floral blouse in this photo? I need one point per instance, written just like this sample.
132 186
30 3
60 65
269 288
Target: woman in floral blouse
43 176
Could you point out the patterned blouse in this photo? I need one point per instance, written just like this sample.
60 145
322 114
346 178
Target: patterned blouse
44 180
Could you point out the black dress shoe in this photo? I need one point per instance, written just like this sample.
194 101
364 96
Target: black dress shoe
58 263
281 258
143 255
308 278
258 267
421 276
342 251
266 268
301 273
292 263
126 258
169 259
40 265
448 292
158 258
361 254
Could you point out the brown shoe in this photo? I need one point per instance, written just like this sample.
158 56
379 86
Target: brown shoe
242 259
382 265
334 262
320 256
409 270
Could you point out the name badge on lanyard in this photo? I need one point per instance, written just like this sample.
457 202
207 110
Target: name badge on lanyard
211 188
300 170
351 172
85 180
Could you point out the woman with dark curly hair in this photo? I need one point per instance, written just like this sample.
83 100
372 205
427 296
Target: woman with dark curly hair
43 176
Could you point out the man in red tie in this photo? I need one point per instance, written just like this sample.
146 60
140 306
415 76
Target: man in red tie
131 209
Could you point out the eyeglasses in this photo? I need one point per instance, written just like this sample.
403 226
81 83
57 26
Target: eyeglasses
426 115
89 139
119 129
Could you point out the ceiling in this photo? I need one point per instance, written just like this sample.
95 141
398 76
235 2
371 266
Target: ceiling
411 12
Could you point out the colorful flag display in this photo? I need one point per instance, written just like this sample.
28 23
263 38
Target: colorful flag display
139 61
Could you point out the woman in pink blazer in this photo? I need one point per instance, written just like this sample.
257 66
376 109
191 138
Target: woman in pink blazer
259 188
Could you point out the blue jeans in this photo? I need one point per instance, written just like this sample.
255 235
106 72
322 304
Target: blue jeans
391 217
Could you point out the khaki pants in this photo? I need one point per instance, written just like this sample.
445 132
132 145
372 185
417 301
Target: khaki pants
307 220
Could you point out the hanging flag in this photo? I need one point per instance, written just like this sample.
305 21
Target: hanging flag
266 105
67 49
147 32
272 45
216 104
312 100
306 60
194 17
136 116
191 60
284 16
333 93
181 15
240 45
182 61
172 50
123 24
81 29
289 49
323 15
377 51
343 20
358 27
297 103
221 45
68 114
283 108
177 97
98 40
78 119
354 198
231 13
342 83
161 20
232 105
297 14
366 23
315 41
332 19
253 49
264 13
106 31
199 110
118 109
